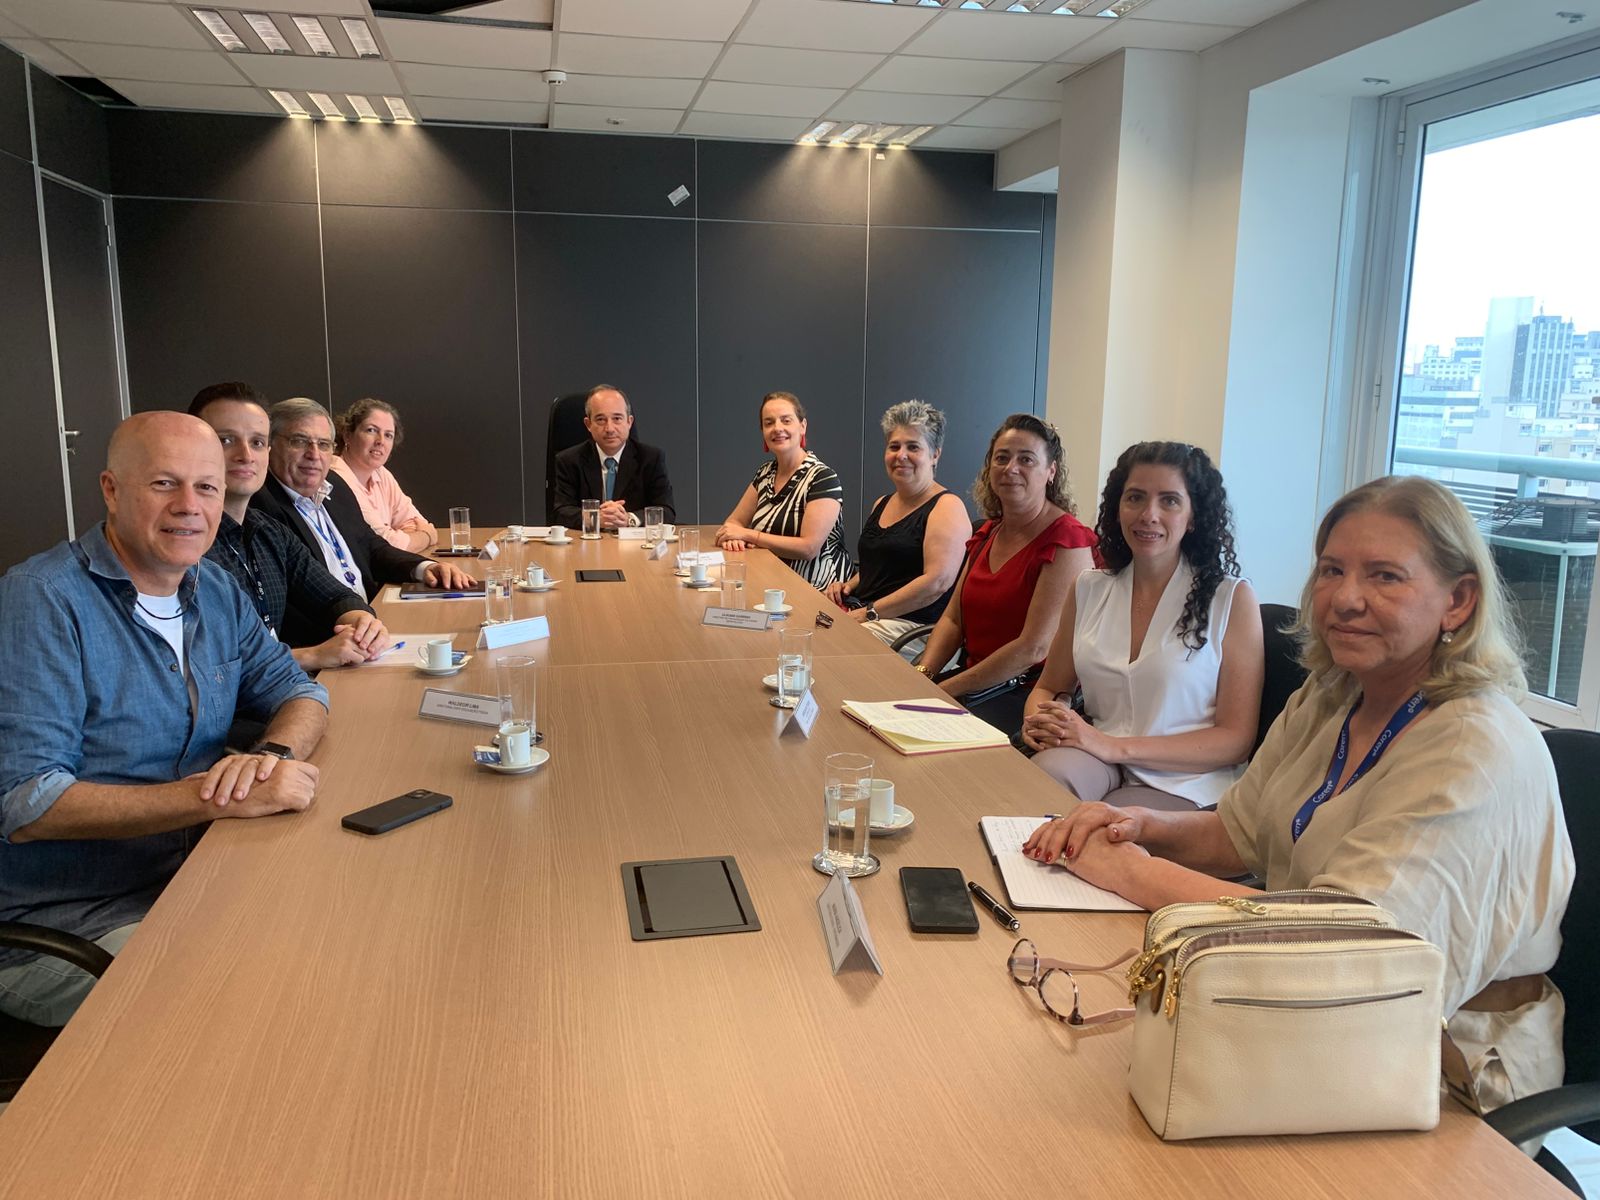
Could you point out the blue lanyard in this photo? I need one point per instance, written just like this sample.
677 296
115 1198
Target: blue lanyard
1403 716
333 543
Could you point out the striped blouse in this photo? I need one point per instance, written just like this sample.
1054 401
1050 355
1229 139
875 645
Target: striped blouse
783 512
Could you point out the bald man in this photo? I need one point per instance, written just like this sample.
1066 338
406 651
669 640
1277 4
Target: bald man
127 654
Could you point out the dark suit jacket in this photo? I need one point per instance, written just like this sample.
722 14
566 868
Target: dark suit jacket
376 559
641 481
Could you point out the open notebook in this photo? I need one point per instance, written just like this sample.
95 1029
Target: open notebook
921 732
1033 884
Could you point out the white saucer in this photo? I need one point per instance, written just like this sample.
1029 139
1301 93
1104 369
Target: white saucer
771 681
441 672
562 542
540 757
782 610
904 818
671 541
586 537
538 587
700 587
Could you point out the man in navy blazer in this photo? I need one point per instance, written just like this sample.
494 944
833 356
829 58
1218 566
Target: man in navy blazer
323 512
637 473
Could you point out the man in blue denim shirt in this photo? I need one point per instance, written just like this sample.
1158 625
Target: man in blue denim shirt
127 654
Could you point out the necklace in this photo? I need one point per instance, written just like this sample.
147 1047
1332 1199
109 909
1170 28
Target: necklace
139 604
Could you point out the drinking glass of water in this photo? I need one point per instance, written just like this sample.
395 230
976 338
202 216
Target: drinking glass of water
846 816
794 666
688 550
591 519
652 524
498 583
461 529
518 727
732 584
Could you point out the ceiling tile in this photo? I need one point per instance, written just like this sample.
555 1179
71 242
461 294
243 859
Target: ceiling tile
498 112
1215 12
466 45
631 120
9 29
45 56
589 55
810 68
195 96
701 20
514 10
612 91
894 109
946 76
1019 37
765 101
966 137
1126 33
109 22
1043 84
831 25
1014 114
155 65
734 125
465 83
323 74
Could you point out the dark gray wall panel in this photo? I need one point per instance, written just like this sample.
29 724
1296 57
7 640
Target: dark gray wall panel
72 133
220 291
950 320
14 105
1047 265
749 181
203 156
780 310
420 313
80 282
602 173
414 166
610 300
30 485
947 190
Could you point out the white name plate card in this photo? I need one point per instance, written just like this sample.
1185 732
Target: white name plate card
511 633
711 558
844 927
491 549
659 550
467 707
630 533
735 618
803 717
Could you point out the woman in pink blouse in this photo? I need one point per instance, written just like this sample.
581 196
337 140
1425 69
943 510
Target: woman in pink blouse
369 431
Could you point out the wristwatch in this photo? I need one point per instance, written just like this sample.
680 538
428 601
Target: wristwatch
872 613
276 749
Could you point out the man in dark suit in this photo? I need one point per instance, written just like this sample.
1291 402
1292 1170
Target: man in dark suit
626 476
323 512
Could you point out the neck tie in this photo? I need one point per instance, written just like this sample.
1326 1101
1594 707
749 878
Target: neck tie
611 476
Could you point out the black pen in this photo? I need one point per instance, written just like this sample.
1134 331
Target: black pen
999 911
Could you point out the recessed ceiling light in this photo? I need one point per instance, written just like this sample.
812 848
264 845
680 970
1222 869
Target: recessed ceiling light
288 103
398 109
326 103
219 29
820 130
316 36
911 135
877 135
267 30
360 37
843 136
363 107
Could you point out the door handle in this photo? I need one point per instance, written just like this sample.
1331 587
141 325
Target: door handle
71 438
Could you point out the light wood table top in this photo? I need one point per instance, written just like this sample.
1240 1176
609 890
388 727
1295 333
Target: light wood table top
457 1009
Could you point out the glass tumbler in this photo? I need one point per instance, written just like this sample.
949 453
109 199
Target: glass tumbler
846 817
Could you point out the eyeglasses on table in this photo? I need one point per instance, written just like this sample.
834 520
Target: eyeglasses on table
1052 978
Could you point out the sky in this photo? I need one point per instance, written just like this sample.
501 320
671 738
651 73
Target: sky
1517 215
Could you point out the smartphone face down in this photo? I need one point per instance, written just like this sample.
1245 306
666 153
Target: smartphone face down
392 814
937 900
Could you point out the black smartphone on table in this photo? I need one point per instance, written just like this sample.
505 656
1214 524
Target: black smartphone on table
392 814
937 900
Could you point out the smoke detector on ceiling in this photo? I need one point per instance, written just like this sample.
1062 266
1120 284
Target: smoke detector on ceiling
555 78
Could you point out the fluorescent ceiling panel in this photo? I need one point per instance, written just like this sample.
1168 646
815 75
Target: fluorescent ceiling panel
612 91
323 74
326 105
890 108
499 112
946 76
315 35
1013 37
1013 114
110 23
799 68
463 83
753 98
585 54
632 120
466 45
156 66
701 20
736 125
198 96
831 25
266 27
363 107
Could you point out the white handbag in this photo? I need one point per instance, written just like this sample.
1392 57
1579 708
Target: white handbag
1294 1012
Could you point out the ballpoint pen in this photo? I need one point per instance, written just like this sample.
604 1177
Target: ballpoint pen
997 910
930 708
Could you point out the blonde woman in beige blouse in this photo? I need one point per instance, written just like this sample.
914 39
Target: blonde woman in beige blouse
1455 826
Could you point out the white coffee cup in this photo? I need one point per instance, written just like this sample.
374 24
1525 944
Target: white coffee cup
773 599
882 802
514 532
536 575
697 572
440 652
556 536
516 744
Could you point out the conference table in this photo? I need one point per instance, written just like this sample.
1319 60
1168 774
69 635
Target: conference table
457 1008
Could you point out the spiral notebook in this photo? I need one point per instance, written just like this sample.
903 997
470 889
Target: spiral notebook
1032 884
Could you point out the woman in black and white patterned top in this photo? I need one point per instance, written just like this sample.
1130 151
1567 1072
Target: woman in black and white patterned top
793 507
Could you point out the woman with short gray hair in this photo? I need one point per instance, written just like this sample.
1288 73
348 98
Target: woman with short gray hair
911 545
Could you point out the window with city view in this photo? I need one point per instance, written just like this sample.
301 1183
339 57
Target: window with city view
1499 395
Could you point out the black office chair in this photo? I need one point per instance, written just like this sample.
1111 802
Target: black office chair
566 430
1576 1104
1284 674
22 1043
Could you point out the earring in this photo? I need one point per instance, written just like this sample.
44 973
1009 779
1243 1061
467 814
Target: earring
1447 636
802 441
